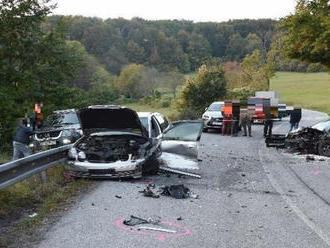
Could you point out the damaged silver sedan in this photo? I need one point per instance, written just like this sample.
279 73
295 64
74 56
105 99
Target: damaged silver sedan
116 145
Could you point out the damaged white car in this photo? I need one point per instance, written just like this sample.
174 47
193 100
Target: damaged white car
116 145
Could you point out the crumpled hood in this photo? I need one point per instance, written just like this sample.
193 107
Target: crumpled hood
109 118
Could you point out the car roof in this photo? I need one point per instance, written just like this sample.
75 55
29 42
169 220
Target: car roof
217 103
145 114
64 111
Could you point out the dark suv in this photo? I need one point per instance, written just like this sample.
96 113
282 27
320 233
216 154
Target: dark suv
62 127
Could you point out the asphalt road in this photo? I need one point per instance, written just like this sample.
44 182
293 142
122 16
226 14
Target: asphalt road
249 196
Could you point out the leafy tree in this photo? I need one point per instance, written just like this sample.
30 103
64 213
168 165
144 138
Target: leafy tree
256 73
236 47
307 32
198 50
198 92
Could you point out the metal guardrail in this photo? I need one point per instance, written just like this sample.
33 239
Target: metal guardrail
18 170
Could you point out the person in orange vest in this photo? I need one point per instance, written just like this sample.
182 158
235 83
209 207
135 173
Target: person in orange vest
226 126
38 113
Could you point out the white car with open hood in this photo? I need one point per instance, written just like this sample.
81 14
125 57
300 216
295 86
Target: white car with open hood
115 144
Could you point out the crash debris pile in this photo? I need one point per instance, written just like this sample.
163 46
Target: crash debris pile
152 224
176 191
307 140
304 141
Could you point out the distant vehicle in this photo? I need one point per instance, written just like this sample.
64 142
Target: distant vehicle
62 127
116 144
212 116
260 106
282 111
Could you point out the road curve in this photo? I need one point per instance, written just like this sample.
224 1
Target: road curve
249 196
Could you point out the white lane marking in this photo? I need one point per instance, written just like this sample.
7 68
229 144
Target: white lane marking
293 206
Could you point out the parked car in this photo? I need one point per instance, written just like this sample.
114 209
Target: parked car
62 127
212 116
116 144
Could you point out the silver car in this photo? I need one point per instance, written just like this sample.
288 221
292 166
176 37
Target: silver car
116 145
212 116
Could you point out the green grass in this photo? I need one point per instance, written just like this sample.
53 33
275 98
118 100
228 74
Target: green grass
308 90
31 196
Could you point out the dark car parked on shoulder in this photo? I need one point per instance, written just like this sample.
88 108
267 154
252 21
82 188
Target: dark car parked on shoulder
62 127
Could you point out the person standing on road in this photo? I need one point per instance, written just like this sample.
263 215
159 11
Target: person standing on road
295 118
268 125
245 122
21 140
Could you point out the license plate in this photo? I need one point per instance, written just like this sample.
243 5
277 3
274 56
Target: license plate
217 123
48 143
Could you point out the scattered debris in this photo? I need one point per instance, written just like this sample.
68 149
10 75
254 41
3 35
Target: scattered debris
179 172
230 194
310 158
93 204
134 220
118 196
33 215
157 229
179 218
147 192
178 192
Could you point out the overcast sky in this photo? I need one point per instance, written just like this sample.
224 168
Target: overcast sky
195 10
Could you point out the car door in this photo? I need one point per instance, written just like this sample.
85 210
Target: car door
182 138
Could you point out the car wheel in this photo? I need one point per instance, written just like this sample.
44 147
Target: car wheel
151 166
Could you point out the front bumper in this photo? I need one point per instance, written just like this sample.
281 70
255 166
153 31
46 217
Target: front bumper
216 124
119 169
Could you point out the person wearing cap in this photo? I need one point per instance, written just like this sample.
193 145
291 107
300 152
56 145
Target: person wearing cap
21 140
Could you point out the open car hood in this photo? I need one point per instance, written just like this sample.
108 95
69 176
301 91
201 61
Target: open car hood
110 118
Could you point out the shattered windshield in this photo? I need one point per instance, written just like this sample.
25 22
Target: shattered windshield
61 119
215 107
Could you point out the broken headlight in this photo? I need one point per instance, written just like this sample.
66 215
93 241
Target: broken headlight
73 154
81 156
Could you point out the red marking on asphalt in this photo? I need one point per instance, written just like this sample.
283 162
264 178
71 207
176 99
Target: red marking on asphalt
159 236
317 172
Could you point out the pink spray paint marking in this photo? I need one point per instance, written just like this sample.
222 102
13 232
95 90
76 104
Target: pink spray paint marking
317 172
159 236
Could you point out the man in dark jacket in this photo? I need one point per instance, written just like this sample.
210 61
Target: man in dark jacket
295 118
268 125
21 140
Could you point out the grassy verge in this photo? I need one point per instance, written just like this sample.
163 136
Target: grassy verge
31 196
310 90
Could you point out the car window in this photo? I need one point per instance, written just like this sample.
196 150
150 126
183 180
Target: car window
162 120
59 119
154 128
185 131
144 122
215 107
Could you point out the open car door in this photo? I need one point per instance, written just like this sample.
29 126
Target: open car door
182 138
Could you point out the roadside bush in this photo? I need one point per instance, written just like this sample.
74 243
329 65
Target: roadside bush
199 91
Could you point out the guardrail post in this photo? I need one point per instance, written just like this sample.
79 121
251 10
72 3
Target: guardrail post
43 175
